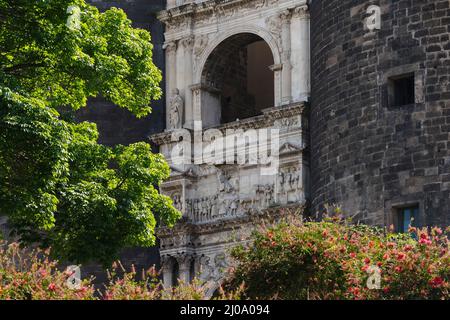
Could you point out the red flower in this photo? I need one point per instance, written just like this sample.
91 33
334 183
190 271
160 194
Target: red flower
407 247
398 269
42 272
354 290
436 282
51 287
401 256
386 289
325 233
273 243
352 254
367 260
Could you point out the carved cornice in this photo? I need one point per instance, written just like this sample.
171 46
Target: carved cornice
205 7
187 13
265 120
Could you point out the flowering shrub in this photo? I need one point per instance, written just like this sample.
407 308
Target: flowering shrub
148 287
31 275
26 275
332 260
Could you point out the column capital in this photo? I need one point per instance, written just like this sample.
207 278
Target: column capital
170 46
301 12
285 16
166 262
188 42
184 261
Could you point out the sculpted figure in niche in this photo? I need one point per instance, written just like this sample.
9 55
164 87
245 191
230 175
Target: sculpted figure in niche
176 110
177 202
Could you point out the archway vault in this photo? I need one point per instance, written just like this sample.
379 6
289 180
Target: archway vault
222 36
239 77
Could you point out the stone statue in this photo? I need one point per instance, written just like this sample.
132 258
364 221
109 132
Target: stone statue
177 202
176 110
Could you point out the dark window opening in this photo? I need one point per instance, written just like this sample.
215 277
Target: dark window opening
402 90
406 218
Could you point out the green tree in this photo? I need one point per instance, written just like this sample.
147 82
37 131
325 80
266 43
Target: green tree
58 186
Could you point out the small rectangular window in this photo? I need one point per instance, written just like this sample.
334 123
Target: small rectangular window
406 218
402 90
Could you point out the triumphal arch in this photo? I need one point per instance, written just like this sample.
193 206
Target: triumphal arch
237 87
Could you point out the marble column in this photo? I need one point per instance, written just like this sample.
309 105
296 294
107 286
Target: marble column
171 74
286 56
188 44
277 78
300 54
184 263
167 268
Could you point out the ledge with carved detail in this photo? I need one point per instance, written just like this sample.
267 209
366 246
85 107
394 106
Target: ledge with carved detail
265 120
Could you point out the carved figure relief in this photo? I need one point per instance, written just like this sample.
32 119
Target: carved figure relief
176 110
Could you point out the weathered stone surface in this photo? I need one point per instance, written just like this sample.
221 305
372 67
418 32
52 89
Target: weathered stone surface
366 155
116 125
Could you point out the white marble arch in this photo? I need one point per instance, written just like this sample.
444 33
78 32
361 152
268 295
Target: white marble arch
253 29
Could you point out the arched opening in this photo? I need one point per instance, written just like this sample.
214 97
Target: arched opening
175 273
192 274
238 79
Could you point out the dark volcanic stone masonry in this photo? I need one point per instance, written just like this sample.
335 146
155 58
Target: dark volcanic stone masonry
117 125
369 154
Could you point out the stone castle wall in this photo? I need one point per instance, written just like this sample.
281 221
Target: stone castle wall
116 125
368 155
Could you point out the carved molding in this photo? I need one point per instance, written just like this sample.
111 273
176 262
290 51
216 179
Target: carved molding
263 121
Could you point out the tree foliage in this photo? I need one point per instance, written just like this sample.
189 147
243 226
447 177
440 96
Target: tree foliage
58 186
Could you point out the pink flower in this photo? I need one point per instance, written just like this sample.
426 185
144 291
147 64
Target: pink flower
42 272
352 255
398 269
425 241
